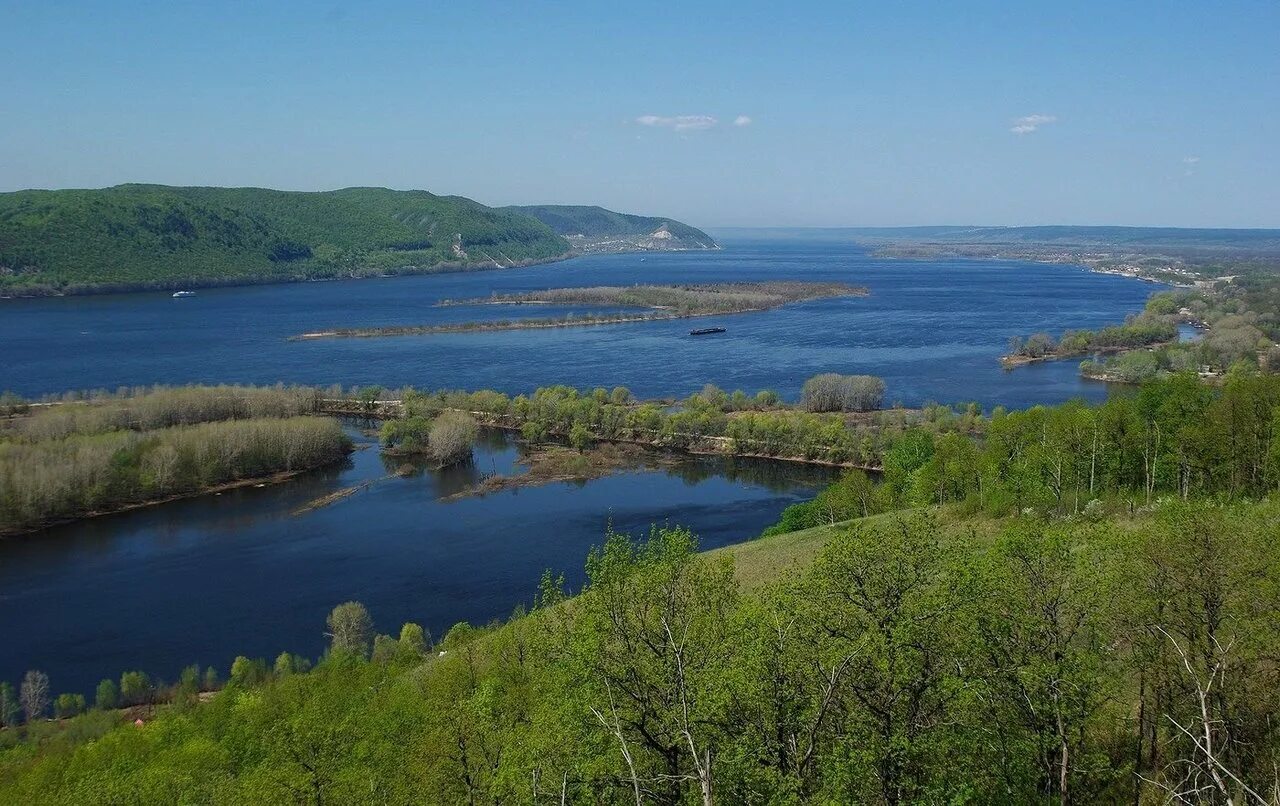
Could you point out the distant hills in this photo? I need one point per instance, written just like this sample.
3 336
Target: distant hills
1256 240
1259 240
1166 254
595 229
156 236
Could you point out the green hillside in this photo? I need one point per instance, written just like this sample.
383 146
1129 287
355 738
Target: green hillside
913 657
153 236
1058 605
596 223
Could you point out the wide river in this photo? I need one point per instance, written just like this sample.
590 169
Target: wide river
210 578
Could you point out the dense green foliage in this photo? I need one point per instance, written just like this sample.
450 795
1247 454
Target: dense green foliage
111 451
1108 637
153 236
711 421
1175 436
597 222
1238 322
914 660
1138 331
447 437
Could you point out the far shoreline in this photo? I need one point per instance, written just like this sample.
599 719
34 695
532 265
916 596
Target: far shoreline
450 267
447 267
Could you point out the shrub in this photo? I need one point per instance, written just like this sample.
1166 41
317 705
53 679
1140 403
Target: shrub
413 641
385 649
135 688
832 392
579 437
350 628
451 437
68 705
247 672
107 696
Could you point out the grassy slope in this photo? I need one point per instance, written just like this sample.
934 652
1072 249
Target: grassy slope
760 562
159 236
597 222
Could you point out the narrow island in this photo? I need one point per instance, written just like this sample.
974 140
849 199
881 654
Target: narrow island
550 463
664 302
1152 328
70 459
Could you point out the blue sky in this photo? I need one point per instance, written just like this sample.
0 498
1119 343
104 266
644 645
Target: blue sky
850 114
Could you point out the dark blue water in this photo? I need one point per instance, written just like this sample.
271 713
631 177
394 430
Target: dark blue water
204 580
932 329
207 579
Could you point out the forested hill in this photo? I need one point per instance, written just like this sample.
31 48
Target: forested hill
595 229
154 236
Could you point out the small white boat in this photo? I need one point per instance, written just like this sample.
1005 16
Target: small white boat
177 294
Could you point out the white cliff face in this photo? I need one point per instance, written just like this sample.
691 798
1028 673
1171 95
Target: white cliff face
595 229
660 240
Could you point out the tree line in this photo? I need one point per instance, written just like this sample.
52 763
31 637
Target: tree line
1138 331
149 408
836 428
1173 436
349 626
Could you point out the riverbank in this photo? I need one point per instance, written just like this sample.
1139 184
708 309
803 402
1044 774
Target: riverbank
1015 361
686 442
1148 267
115 452
218 489
379 273
548 464
16 292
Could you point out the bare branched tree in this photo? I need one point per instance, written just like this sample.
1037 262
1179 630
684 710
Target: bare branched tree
1204 775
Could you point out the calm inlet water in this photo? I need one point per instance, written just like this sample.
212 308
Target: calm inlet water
207 579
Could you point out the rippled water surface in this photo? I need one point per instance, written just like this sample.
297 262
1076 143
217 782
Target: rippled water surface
931 329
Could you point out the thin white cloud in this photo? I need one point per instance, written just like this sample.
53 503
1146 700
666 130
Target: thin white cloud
1030 123
742 120
1190 162
680 123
